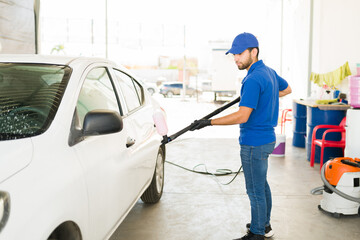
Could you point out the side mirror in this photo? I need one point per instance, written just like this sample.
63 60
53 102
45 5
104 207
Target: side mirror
98 122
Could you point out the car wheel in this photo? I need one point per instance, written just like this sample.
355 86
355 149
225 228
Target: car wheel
154 191
151 91
66 231
170 94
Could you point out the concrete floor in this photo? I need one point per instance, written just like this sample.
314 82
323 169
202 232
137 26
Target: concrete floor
196 206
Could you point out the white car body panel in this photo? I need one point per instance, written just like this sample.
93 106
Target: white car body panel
93 183
23 156
36 206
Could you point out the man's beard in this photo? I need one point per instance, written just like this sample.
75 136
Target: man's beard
246 64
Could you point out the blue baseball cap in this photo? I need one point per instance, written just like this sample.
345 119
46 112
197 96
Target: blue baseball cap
242 42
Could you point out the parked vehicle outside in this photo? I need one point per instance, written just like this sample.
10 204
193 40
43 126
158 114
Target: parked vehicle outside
169 89
149 86
78 147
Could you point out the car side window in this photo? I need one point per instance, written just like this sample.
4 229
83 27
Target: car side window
139 90
132 91
97 92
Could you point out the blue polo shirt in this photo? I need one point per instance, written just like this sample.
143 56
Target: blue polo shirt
260 91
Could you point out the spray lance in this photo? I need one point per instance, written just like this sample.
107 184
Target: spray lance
161 126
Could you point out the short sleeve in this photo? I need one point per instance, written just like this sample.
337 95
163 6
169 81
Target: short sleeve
250 93
282 82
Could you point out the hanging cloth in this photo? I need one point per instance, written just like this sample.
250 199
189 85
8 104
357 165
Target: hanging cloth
331 79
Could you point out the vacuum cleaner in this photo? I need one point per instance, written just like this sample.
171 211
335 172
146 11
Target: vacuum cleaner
341 190
161 126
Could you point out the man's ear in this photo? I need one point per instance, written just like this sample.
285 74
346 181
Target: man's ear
254 52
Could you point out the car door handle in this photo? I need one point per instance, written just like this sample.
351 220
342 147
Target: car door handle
130 142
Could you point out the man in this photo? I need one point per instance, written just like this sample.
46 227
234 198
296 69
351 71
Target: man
257 116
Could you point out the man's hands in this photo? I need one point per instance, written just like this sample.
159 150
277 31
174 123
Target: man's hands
199 124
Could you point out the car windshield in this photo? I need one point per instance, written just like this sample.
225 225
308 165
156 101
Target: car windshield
30 95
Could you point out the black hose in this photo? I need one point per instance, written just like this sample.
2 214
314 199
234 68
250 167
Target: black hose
219 172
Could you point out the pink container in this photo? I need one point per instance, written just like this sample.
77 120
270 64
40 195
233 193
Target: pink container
355 83
354 87
160 122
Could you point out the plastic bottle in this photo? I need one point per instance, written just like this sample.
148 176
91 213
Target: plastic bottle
354 88
160 122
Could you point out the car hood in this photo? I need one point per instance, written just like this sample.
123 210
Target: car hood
15 155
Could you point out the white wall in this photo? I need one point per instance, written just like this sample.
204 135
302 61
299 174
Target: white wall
335 40
295 53
336 36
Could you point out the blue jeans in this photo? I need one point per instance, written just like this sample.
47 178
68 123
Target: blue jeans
255 164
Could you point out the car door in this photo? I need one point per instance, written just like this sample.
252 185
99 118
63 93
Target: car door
178 87
105 159
140 126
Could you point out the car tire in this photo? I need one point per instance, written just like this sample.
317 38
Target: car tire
170 94
151 91
66 231
154 192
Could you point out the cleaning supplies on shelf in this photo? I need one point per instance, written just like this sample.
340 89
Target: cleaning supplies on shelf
326 101
336 93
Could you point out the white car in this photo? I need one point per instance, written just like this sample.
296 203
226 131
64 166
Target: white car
78 147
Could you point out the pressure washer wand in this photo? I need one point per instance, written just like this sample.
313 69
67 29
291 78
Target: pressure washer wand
182 131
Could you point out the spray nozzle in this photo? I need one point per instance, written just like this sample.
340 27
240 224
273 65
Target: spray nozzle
165 140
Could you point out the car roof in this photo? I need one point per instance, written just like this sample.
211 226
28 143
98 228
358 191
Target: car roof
50 59
172 83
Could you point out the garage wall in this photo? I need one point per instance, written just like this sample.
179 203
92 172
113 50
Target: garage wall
336 37
295 46
336 34
17 26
